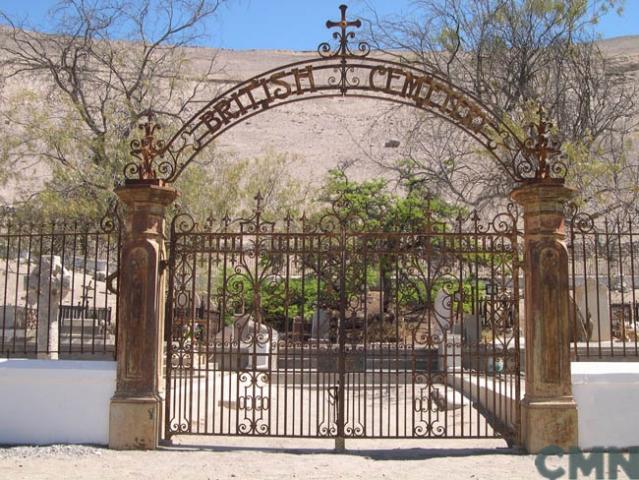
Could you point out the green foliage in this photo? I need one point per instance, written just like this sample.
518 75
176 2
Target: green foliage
275 300
72 99
514 55
371 203
278 299
227 185
413 294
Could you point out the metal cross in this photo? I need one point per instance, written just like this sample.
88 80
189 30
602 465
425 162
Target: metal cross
147 148
85 297
542 144
343 24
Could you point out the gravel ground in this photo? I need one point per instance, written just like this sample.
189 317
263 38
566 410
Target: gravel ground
197 458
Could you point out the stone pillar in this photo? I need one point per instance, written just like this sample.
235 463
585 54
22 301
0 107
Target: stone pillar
548 410
135 417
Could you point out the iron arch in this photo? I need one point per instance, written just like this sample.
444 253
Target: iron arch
344 72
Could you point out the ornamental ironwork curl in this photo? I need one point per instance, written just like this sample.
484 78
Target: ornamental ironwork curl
346 70
183 222
354 428
542 160
505 223
581 222
111 221
343 37
342 216
427 421
256 224
146 149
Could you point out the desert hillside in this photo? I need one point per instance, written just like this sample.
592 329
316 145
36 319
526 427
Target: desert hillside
323 133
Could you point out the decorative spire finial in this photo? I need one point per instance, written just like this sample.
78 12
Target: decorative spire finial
542 145
258 201
145 149
343 37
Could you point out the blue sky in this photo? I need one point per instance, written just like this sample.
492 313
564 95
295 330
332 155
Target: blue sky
296 24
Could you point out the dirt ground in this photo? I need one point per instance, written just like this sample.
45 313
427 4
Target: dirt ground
196 458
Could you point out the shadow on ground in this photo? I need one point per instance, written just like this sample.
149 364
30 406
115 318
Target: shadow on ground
373 454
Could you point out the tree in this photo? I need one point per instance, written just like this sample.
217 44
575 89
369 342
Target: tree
515 55
227 186
73 97
370 206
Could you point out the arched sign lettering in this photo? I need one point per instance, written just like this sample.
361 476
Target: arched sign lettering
344 72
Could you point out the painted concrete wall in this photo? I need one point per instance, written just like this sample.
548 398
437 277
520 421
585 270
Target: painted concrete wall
496 397
49 401
607 395
55 401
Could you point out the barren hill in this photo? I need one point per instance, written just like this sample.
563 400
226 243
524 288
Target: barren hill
325 132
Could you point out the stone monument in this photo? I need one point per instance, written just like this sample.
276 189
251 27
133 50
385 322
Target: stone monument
49 283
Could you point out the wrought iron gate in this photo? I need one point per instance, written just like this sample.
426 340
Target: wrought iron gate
322 328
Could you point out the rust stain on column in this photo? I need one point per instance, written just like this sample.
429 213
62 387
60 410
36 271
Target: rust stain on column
136 405
549 414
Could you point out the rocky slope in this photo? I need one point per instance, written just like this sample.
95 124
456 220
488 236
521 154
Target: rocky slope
323 133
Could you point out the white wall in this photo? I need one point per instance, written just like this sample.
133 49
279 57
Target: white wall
55 401
494 395
607 395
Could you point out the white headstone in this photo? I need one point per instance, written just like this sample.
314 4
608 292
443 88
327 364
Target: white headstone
49 282
256 337
321 325
591 298
444 317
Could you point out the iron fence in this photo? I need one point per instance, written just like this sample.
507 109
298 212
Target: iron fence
57 289
604 286
327 329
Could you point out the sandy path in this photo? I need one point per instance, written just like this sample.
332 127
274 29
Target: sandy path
197 458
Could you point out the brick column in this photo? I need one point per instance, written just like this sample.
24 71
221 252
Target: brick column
548 410
135 417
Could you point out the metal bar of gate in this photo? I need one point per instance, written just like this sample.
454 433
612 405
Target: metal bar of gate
341 419
350 375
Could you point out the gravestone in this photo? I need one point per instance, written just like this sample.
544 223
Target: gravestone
472 328
445 320
49 282
591 298
298 329
373 303
321 325
257 340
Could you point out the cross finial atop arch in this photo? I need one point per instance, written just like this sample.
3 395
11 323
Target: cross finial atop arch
343 36
343 24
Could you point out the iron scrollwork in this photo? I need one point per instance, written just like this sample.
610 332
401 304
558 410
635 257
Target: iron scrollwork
541 159
394 305
348 69
344 52
343 37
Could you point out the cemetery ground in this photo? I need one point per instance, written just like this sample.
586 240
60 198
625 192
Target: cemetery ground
272 458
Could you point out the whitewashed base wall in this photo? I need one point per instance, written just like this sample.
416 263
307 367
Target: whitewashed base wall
607 396
55 401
